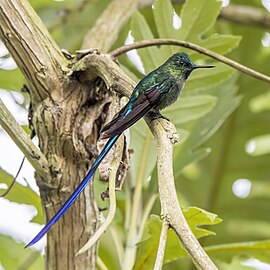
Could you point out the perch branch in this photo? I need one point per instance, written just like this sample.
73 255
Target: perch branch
192 46
171 212
162 245
113 174
22 140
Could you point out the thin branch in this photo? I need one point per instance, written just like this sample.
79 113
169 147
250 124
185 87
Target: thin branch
18 172
14 180
113 173
22 140
246 15
192 46
171 212
162 245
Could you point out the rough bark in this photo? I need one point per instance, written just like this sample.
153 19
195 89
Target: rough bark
66 117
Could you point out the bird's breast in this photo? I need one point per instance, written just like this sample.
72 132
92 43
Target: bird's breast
170 96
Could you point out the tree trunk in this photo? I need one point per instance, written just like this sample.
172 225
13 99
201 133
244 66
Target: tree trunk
66 116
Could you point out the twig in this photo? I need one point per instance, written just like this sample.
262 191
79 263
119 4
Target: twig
162 245
22 140
114 167
192 46
171 212
14 180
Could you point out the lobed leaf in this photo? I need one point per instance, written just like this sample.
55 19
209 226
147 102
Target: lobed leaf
147 247
21 194
12 257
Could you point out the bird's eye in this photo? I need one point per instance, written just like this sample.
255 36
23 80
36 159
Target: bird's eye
181 62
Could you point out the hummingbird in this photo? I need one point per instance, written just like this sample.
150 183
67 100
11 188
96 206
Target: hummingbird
156 91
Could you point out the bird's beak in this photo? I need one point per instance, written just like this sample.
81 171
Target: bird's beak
194 67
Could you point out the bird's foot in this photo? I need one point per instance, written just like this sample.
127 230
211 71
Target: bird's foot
155 115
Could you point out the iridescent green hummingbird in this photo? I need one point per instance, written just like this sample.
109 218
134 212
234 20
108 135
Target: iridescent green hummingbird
154 92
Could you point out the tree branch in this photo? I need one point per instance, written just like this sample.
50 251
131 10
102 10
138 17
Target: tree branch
32 47
162 245
192 46
246 15
171 212
22 140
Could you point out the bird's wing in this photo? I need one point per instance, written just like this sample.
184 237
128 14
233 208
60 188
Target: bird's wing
132 112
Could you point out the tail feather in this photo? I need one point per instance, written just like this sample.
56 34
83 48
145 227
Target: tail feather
76 193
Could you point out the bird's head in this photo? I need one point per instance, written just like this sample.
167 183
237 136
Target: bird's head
182 65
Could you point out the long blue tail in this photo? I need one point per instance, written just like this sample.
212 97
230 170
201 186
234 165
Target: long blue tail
77 191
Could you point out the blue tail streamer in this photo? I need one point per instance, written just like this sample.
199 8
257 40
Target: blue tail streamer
77 191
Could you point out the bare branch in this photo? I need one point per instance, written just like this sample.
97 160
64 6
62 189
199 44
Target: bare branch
192 46
162 245
171 212
246 15
13 181
22 140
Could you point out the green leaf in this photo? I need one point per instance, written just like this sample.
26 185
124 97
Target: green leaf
21 194
236 264
190 108
253 249
206 126
198 16
11 79
163 12
140 31
204 78
222 44
147 247
197 217
13 255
